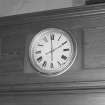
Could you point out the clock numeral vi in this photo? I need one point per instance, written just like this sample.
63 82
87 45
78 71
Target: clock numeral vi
51 65
44 64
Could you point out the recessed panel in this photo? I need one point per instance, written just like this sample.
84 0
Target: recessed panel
52 51
94 48
75 63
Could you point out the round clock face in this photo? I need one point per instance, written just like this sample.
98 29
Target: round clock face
52 52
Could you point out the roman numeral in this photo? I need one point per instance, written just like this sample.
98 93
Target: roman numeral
64 42
40 45
52 37
39 59
38 52
63 57
45 39
59 63
51 65
44 64
67 49
59 38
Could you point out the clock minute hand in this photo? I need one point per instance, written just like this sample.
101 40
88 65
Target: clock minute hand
56 48
51 48
59 46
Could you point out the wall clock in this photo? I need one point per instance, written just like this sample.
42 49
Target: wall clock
52 51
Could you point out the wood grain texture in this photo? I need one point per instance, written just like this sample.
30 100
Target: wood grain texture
70 99
94 44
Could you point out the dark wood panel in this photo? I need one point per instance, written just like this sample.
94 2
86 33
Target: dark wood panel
13 48
90 2
94 45
68 99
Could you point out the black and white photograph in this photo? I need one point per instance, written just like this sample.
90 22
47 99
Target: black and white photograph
52 52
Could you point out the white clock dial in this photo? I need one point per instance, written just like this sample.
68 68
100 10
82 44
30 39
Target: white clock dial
52 51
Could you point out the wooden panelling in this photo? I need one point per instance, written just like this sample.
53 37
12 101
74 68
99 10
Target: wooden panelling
77 86
62 99
12 50
94 45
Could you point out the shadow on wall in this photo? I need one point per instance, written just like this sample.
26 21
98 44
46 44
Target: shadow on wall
89 2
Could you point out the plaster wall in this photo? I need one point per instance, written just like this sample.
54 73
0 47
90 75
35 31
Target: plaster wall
12 7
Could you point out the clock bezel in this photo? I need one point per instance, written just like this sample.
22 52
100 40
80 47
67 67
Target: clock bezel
73 42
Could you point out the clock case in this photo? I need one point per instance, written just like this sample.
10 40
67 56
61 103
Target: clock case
74 53
28 65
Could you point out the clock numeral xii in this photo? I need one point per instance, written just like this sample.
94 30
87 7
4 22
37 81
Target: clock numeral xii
52 37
